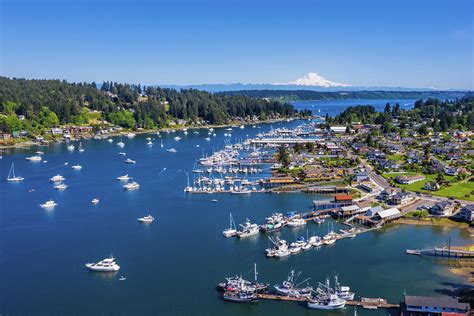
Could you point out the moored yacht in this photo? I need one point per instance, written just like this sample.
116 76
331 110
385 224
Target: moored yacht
124 178
171 150
332 301
146 219
232 230
106 265
48 204
131 186
57 178
130 161
95 201
77 167
60 186
11 175
248 229
34 158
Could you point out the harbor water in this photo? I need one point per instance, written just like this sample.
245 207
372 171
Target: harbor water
173 265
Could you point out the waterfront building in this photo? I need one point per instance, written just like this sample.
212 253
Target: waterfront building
443 208
467 213
428 305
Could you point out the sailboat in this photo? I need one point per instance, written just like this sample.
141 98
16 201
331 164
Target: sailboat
80 147
232 230
11 175
161 143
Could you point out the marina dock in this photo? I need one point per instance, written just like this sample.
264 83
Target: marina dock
368 303
442 252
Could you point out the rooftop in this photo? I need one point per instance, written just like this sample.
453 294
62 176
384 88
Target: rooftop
432 301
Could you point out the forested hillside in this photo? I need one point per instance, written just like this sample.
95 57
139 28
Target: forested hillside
47 103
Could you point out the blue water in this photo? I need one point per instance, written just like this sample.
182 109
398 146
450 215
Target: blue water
334 107
173 265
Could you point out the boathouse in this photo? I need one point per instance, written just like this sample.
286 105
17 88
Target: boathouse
429 305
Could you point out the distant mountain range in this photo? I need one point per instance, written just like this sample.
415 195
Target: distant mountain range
311 81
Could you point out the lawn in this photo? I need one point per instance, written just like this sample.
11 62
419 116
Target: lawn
457 190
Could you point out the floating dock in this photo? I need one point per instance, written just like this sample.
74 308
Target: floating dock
364 302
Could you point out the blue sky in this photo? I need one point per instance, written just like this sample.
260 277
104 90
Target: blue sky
409 43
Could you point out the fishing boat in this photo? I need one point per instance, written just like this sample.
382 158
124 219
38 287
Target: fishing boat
343 292
77 167
60 186
95 201
34 158
132 186
130 161
106 265
48 204
232 230
271 227
57 178
327 303
237 283
146 219
124 178
11 175
240 297
171 150
248 229
289 288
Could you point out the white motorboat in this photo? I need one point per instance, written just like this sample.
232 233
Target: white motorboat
110 140
95 201
131 186
177 138
39 153
48 204
242 127
131 135
71 147
149 143
11 175
232 230
146 219
121 144
171 150
122 154
122 278
124 178
77 167
60 186
34 158
106 265
248 229
57 178
296 222
130 161
327 303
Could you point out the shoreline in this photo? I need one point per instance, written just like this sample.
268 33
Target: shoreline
444 222
30 143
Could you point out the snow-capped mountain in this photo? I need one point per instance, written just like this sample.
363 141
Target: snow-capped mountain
314 80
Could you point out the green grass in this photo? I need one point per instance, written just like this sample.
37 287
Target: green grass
397 157
456 189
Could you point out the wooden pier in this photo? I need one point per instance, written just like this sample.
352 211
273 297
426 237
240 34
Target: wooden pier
369 303
442 252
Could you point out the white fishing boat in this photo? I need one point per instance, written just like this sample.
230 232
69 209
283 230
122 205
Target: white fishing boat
146 219
343 292
95 201
60 186
130 161
11 175
232 230
77 167
124 178
57 178
131 186
329 302
248 229
48 204
171 150
34 158
106 265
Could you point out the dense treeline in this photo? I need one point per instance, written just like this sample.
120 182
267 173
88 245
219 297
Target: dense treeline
433 113
45 103
344 95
